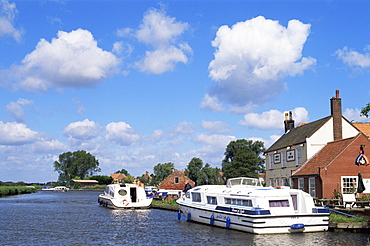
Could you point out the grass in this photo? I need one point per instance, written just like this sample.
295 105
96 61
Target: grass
165 203
15 190
334 217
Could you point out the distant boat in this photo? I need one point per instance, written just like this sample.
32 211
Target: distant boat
61 189
244 204
124 196
48 188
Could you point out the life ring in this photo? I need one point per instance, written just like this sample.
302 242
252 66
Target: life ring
125 202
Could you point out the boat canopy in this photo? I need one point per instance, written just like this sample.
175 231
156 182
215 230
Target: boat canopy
243 181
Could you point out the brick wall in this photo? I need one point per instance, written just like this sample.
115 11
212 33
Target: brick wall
169 182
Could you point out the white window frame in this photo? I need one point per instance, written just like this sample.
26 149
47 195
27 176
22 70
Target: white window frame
272 182
348 184
301 183
283 163
271 161
299 156
312 187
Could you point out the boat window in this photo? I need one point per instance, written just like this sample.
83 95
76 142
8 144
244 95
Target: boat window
195 197
211 200
122 192
279 203
187 195
240 202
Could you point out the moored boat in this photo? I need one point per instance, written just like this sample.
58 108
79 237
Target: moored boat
244 204
61 189
124 196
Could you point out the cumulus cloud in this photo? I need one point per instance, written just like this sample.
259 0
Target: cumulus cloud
354 58
71 60
8 12
46 146
82 130
252 58
16 108
215 126
354 115
273 119
13 133
211 103
121 133
160 32
183 128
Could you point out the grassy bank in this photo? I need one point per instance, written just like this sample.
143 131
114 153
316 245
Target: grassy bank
16 190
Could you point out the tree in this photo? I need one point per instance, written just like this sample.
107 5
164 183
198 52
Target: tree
123 171
102 179
79 163
202 174
161 171
243 159
365 111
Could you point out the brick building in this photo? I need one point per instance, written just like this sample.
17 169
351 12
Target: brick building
175 181
333 169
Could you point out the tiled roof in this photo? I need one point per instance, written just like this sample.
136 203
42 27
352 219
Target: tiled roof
323 158
363 127
118 176
298 134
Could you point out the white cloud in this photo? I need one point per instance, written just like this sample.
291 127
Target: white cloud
45 146
82 130
183 128
215 126
155 136
353 115
161 32
121 133
8 11
273 119
16 108
211 103
353 58
71 60
13 133
253 56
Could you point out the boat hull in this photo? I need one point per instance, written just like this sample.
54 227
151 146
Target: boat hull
257 224
120 204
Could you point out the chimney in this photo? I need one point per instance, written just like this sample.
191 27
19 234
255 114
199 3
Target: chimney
336 113
288 122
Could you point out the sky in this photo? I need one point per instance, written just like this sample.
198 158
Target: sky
141 82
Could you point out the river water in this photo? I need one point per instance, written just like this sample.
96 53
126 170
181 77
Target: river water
75 218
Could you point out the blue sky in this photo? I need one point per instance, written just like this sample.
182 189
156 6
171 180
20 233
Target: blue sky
137 83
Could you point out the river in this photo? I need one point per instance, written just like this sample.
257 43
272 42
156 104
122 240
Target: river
75 218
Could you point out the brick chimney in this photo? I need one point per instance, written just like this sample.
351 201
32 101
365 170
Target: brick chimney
336 113
288 122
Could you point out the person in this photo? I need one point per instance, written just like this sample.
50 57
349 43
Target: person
187 187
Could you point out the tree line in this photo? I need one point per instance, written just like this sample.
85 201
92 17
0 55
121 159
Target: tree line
243 158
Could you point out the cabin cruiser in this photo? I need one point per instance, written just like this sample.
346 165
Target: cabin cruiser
244 204
124 196
61 189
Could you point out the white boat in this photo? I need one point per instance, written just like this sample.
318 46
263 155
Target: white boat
48 188
61 189
124 196
244 204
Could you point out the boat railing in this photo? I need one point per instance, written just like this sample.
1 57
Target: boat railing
243 181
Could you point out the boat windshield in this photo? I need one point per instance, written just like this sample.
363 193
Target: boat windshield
243 181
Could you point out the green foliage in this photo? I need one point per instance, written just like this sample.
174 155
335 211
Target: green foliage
365 111
16 190
79 163
243 159
334 217
161 171
123 171
102 179
202 174
128 179
77 186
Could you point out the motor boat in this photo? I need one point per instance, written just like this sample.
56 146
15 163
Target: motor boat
244 204
124 196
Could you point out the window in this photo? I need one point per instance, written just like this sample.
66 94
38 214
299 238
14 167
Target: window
278 203
195 197
283 164
176 181
211 200
294 200
240 202
271 161
272 183
122 192
312 187
277 182
299 156
349 184
301 184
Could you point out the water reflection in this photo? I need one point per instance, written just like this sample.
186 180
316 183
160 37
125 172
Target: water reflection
75 218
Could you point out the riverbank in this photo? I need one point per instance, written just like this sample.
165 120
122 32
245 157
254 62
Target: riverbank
16 190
